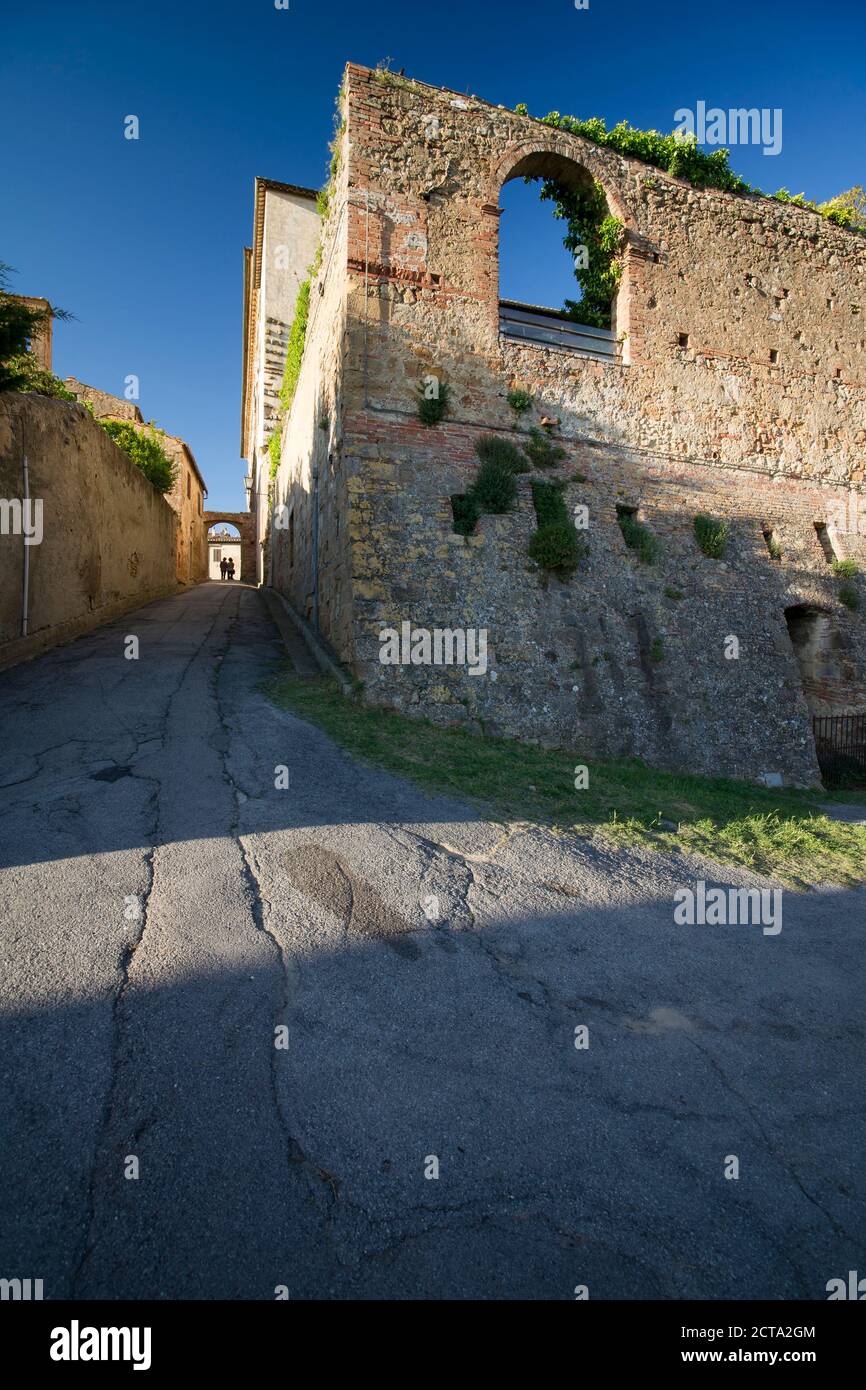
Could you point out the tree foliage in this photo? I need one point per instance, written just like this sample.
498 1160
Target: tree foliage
19 323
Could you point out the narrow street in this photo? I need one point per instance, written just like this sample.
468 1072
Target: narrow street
167 907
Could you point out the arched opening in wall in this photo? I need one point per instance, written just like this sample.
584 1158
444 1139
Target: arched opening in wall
832 693
561 259
223 552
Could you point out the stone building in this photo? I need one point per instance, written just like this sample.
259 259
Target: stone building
285 237
39 345
187 496
731 384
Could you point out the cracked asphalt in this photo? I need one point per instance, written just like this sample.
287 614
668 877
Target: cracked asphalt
282 1006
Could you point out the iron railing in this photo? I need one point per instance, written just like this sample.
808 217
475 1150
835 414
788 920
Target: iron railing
527 323
840 736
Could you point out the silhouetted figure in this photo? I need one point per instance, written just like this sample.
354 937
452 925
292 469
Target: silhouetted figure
224 565
231 569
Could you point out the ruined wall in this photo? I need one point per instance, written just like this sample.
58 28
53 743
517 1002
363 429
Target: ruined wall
102 403
692 417
740 275
108 536
624 658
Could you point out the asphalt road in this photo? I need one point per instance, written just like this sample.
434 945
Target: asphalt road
170 916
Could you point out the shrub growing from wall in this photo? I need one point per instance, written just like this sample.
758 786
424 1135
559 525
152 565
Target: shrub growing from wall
711 535
145 451
637 537
490 448
495 488
541 451
554 546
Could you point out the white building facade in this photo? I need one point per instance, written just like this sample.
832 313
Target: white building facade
285 237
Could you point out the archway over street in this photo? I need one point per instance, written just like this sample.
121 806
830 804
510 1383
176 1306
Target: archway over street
244 521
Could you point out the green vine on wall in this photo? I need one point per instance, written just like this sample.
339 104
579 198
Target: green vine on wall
298 330
682 157
595 239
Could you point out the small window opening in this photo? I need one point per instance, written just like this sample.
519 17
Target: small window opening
188 486
774 356
831 303
773 542
826 541
683 340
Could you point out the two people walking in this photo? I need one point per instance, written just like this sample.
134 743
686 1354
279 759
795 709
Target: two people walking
227 569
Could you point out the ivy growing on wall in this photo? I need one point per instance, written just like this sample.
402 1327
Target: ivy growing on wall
683 157
598 267
298 330
275 448
292 369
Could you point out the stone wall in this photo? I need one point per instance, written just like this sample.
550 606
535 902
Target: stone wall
738 391
104 405
741 276
186 498
108 541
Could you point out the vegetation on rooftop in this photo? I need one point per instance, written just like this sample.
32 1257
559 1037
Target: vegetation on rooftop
683 158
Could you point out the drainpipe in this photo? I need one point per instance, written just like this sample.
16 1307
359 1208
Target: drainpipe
316 544
25 597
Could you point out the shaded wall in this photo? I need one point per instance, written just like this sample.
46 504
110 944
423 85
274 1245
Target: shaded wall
109 537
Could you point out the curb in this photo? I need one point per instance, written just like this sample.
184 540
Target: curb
314 642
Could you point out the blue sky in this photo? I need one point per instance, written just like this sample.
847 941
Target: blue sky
142 240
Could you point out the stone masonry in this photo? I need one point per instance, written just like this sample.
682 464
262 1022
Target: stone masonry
737 390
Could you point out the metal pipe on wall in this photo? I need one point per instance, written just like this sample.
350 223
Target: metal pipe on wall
25 596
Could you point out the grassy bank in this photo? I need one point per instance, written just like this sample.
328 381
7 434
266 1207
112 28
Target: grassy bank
773 832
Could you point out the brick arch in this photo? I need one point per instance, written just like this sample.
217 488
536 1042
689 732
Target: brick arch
557 148
245 522
571 160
